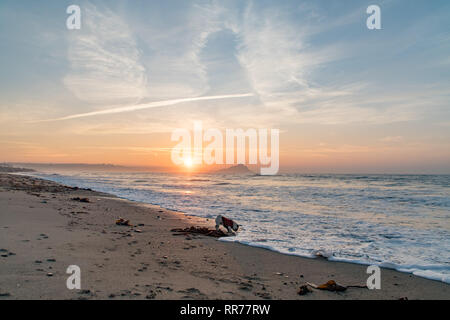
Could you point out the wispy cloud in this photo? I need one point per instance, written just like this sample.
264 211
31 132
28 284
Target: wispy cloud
280 62
148 106
104 60
175 67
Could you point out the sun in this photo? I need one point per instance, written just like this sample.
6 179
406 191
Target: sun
188 162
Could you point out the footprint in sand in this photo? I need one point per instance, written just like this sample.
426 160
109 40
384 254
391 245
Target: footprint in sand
6 253
192 293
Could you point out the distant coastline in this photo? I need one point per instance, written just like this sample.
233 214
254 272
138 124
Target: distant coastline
238 169
5 168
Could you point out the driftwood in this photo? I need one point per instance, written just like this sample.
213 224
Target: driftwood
200 230
123 222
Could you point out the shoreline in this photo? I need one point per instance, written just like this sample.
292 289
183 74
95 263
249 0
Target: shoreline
409 269
149 262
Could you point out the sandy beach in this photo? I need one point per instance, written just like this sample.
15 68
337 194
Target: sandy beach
45 228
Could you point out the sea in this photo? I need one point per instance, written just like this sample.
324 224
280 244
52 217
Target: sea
394 221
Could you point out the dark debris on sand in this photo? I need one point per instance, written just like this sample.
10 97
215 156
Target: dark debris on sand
34 185
86 200
303 290
200 230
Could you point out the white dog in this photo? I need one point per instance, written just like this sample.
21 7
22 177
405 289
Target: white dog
229 224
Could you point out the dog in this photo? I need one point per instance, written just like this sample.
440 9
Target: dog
229 224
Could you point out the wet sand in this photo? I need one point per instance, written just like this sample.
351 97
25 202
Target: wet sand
44 230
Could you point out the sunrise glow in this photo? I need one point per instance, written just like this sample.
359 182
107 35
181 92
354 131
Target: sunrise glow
188 162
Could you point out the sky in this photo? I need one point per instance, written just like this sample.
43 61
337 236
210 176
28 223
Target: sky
345 98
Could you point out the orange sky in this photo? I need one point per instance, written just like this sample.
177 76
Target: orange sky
303 151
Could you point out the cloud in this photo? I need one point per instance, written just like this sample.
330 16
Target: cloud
280 62
277 60
148 106
175 67
104 60
274 46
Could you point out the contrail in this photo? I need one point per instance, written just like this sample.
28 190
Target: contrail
147 106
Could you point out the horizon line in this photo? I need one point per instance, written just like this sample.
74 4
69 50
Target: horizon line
284 170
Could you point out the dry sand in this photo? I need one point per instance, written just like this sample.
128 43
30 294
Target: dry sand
43 231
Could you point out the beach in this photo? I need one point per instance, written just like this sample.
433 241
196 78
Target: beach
46 227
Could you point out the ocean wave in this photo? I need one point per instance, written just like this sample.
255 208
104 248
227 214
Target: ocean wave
432 272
